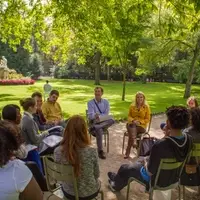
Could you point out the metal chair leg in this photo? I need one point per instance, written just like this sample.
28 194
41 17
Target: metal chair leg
123 144
179 192
105 139
151 195
128 189
102 194
139 146
107 142
183 193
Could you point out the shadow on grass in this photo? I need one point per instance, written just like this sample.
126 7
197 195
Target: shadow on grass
10 99
66 115
6 95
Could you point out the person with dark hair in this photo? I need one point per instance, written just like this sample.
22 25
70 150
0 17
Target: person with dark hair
176 145
38 116
193 179
52 110
194 129
98 108
17 181
11 115
11 112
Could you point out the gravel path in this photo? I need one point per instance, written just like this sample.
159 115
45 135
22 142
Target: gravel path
115 160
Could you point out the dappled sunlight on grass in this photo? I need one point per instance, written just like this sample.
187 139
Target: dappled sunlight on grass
74 95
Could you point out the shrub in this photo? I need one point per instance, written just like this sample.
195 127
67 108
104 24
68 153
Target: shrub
17 82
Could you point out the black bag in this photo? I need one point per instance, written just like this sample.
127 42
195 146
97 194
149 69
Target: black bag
146 145
192 179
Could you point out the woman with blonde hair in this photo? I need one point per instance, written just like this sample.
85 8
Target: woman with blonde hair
138 118
75 149
192 102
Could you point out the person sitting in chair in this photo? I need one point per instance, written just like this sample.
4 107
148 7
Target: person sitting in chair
17 181
52 111
192 102
177 145
75 149
97 108
138 119
39 117
193 177
11 115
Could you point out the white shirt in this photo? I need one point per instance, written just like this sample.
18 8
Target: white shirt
47 88
14 177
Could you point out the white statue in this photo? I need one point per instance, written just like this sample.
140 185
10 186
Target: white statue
3 62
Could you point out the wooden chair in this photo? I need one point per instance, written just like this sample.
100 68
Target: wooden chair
194 153
60 172
139 136
105 132
165 164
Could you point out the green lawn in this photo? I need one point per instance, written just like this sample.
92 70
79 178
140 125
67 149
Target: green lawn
74 95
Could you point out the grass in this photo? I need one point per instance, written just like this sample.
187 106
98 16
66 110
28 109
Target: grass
74 95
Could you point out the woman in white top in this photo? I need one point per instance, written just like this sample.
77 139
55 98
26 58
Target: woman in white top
17 181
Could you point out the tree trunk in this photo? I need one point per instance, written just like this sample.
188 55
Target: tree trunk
191 71
97 58
108 72
124 86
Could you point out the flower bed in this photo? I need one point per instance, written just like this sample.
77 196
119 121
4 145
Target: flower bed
17 82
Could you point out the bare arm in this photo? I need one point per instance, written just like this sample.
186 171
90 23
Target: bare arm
32 191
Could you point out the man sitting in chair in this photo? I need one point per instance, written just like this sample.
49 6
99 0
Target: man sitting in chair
98 114
176 144
52 111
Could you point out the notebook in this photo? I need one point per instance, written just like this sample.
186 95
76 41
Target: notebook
52 140
30 147
103 118
55 127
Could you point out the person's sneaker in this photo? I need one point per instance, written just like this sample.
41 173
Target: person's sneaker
111 176
102 155
111 185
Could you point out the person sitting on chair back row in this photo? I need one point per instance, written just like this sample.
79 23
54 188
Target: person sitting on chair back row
39 117
52 111
138 119
176 144
97 108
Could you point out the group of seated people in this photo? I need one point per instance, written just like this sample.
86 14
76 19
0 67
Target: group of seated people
19 182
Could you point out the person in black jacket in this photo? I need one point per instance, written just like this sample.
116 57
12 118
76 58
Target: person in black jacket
193 179
176 145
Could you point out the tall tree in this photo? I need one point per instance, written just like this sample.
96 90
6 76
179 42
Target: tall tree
176 26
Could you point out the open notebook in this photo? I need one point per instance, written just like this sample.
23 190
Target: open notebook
52 140
103 118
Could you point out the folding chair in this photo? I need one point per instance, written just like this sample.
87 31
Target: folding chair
165 164
194 153
139 136
105 132
61 172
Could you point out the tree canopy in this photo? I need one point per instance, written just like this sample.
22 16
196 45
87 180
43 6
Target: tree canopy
151 32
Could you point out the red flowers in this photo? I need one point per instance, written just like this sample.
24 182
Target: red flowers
17 82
